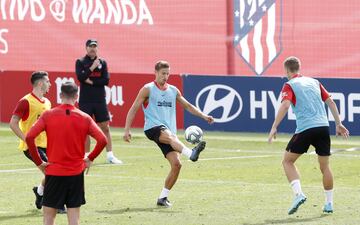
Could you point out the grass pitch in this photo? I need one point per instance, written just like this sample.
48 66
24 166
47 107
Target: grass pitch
238 180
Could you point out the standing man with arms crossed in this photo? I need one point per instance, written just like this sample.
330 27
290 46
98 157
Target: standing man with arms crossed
26 112
307 96
92 72
158 100
66 128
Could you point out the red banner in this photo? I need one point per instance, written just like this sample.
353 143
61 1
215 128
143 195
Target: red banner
198 37
120 93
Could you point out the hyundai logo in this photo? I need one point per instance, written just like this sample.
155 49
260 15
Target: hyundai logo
221 101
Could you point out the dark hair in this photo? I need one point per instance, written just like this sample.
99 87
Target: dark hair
161 64
38 75
69 89
91 42
292 64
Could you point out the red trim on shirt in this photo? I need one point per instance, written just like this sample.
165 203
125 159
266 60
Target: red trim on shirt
161 88
95 74
42 101
22 109
145 103
287 93
324 93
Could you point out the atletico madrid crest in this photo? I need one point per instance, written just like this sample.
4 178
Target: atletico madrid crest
257 32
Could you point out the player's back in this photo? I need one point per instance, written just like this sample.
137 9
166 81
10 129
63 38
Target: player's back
66 128
309 109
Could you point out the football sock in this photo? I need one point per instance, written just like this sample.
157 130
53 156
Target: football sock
40 190
109 155
186 151
329 196
164 193
296 187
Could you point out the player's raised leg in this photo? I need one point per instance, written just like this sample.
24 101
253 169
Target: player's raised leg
193 154
172 147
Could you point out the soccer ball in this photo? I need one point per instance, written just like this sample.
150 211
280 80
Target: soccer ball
193 134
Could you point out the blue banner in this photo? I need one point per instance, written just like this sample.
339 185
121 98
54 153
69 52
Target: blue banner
249 104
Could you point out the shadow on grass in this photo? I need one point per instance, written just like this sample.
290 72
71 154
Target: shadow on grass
289 220
129 210
29 214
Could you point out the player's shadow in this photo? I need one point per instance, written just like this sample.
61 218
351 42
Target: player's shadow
129 210
30 213
289 220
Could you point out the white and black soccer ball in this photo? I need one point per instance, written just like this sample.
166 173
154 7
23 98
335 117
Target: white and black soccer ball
193 134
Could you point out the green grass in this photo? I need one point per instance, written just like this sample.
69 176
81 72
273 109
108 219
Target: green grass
239 180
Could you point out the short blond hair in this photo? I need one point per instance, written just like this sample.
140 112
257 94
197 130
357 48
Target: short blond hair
292 64
161 64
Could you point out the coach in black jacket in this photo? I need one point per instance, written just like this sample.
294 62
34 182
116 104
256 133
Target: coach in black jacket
92 72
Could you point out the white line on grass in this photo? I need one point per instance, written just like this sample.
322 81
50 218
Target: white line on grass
341 150
15 164
333 151
33 169
110 165
250 151
17 170
203 159
237 157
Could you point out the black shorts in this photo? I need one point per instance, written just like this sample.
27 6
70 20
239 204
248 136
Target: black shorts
64 190
97 110
42 153
319 137
154 134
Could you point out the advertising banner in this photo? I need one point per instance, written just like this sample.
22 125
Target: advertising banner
251 103
120 93
242 37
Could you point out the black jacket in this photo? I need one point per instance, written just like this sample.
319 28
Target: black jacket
100 76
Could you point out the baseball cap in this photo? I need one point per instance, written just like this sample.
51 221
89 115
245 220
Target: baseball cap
91 42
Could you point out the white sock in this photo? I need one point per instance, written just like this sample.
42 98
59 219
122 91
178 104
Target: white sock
186 151
329 196
40 190
164 193
109 155
296 187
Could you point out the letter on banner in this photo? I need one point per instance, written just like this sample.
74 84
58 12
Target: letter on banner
352 108
262 104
